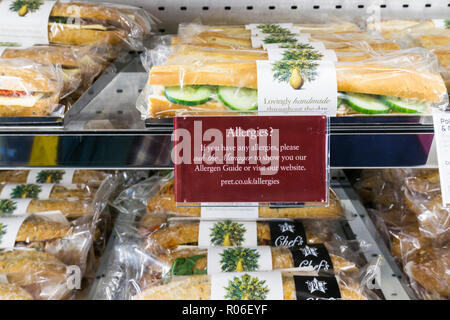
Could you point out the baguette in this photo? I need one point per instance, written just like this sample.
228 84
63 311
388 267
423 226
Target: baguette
174 235
377 79
28 88
164 202
199 288
84 23
430 269
281 259
35 229
70 209
41 274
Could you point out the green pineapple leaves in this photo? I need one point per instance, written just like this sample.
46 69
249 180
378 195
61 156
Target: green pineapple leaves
239 259
246 287
50 176
2 231
23 191
227 233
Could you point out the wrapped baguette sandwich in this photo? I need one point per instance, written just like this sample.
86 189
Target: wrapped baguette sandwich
71 209
200 287
191 54
86 23
273 233
69 242
414 225
78 63
191 261
31 275
88 177
337 44
28 88
164 203
371 86
240 31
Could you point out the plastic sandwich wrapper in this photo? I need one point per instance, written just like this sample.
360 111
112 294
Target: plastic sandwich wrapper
28 274
155 196
141 272
153 251
390 82
29 88
77 22
408 211
50 233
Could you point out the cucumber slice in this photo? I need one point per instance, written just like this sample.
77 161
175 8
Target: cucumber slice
404 105
189 95
364 103
241 99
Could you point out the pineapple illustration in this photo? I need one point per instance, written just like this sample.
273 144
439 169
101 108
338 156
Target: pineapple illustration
227 233
3 230
50 176
23 7
239 259
23 191
7 206
246 287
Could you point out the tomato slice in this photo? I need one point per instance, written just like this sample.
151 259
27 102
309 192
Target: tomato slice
12 93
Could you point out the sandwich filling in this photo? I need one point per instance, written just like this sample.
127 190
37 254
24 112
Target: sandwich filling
19 98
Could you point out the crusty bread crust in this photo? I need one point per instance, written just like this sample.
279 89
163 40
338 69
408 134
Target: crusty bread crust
222 74
57 33
164 202
172 236
199 288
195 55
43 107
391 81
70 209
61 55
434 41
25 267
23 74
37 229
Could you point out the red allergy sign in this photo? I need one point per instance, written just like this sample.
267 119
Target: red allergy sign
250 158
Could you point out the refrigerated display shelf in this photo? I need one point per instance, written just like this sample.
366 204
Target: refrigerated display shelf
391 281
106 121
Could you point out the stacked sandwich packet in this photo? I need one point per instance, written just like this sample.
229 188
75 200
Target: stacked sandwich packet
74 42
251 68
165 251
49 223
406 206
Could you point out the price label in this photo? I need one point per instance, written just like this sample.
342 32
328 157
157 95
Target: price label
441 122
